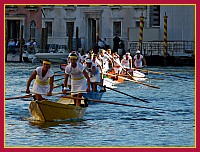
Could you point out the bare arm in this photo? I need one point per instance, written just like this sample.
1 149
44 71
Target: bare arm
131 63
51 85
33 76
65 82
88 80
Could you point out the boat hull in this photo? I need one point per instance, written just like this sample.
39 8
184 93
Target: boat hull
138 76
53 57
46 110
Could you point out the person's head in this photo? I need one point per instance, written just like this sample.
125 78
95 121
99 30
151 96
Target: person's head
88 62
102 51
73 58
109 51
46 64
127 55
138 52
91 51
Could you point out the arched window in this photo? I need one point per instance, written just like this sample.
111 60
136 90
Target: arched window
32 29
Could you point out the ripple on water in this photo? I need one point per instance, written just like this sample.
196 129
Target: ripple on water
172 124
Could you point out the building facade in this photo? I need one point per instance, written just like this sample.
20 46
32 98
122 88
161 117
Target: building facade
28 17
95 22
105 21
90 23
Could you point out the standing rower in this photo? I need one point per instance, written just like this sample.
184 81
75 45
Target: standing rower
44 78
80 81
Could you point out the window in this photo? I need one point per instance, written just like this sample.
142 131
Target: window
48 25
117 28
69 29
137 23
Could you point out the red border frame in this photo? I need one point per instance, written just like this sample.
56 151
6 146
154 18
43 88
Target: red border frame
3 149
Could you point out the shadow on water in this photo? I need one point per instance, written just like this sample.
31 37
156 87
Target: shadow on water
69 122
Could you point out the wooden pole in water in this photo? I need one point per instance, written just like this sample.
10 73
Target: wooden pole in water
141 31
165 38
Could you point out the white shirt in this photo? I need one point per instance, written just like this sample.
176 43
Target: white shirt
76 72
138 61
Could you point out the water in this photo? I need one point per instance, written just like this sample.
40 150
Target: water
170 122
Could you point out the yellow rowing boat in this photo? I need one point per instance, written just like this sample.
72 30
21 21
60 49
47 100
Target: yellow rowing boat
46 110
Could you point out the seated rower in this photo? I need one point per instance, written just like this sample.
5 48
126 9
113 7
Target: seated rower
126 62
138 60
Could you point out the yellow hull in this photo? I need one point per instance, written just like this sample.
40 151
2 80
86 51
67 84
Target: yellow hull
46 110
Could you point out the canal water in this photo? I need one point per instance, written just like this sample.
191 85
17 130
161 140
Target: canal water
167 120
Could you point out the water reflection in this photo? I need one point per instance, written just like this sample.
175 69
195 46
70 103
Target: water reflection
69 122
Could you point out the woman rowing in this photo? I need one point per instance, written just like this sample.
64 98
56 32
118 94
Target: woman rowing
44 78
138 60
80 81
126 62
93 73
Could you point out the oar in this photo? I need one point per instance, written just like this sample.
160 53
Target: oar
108 102
124 75
58 71
123 93
58 93
57 86
143 83
132 80
59 79
59 74
166 74
53 93
20 97
133 77
142 77
121 75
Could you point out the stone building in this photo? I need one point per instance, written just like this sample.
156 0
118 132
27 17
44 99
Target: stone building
95 22
105 21
100 22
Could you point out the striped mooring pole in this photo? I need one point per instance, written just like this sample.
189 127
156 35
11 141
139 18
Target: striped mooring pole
165 36
141 32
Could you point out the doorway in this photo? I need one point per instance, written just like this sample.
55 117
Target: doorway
93 32
13 29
